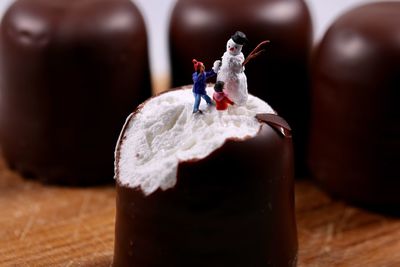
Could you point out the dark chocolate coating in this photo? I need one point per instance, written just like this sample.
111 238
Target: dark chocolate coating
71 71
233 208
201 28
355 136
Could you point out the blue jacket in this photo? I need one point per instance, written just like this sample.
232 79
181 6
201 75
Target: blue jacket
200 81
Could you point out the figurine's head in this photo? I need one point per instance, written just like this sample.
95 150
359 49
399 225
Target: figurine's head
219 86
235 44
198 66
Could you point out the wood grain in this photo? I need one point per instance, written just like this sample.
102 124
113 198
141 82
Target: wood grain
56 226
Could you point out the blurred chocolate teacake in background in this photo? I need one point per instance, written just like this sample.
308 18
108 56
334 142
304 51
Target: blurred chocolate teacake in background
355 136
71 71
280 76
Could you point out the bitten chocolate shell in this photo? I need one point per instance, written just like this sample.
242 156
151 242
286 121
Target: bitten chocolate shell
233 207
201 28
355 137
71 71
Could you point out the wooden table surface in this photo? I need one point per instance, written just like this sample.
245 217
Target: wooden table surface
56 226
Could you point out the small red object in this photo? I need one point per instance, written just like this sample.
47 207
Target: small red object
196 64
221 100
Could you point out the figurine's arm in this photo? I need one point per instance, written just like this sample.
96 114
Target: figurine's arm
229 101
195 77
214 98
217 66
210 74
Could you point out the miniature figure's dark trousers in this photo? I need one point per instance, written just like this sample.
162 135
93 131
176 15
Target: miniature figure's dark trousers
197 99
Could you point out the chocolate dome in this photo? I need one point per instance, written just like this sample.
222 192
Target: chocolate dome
231 207
71 71
355 137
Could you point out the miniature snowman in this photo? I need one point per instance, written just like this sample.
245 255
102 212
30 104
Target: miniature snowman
231 71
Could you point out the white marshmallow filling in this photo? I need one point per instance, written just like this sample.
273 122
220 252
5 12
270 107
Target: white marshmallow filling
164 132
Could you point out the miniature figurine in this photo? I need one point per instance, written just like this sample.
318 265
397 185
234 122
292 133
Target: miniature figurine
231 69
220 98
200 77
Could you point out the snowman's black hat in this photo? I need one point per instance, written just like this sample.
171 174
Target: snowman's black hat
239 38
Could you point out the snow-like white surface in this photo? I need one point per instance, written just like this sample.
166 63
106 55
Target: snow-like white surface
165 132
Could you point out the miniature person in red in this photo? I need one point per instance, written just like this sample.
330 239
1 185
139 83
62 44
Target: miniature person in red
220 98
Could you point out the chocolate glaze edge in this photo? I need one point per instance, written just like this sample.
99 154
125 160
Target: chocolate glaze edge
278 124
283 251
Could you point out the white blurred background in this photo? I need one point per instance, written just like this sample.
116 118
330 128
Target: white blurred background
156 14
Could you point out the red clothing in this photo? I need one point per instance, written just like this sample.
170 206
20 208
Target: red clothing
221 100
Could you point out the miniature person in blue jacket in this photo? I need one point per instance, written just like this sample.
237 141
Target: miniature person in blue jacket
200 77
